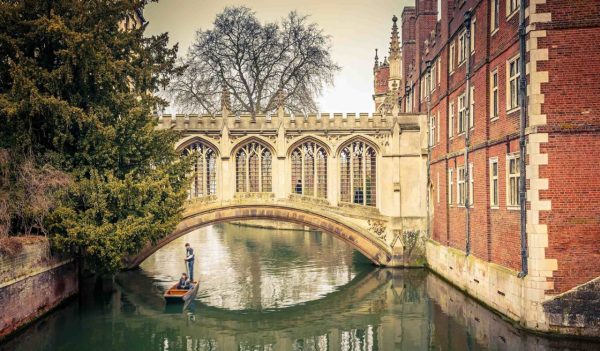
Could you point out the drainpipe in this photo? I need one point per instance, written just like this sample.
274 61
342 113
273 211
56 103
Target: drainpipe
522 143
429 144
467 23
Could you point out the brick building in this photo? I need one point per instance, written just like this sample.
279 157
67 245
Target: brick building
462 65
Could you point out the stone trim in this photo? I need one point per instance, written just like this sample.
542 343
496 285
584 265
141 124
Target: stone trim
540 267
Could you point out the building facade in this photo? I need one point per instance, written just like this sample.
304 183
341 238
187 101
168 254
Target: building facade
499 99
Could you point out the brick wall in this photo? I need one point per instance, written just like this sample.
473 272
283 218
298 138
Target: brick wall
572 110
570 106
33 254
32 284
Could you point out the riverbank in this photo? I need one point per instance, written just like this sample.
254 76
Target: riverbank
32 282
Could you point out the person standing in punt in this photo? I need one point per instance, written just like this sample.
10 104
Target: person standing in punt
189 260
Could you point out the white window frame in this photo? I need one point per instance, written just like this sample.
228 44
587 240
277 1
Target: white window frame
512 81
439 69
438 127
462 120
450 186
452 54
494 95
451 120
510 192
472 108
462 47
460 186
495 16
473 28
433 78
494 181
432 129
512 8
471 183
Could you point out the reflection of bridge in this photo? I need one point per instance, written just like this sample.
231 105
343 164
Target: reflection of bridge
359 177
361 305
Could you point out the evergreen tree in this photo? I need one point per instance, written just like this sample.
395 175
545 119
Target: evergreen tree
77 84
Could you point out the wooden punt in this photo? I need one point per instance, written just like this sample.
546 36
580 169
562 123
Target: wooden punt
181 295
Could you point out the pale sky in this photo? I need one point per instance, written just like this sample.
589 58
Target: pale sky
356 28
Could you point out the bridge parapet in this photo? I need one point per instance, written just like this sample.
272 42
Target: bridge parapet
262 122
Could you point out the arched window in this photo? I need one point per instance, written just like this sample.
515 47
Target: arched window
204 170
358 176
253 168
309 170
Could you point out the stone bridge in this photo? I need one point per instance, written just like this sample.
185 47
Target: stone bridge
360 177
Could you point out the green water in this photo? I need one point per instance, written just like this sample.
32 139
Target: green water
267 289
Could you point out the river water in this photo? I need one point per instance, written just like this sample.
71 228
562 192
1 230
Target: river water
267 289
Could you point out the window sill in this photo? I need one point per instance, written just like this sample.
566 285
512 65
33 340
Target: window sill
512 14
495 207
513 208
512 110
494 119
495 31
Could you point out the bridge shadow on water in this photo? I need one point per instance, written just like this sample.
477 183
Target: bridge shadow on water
380 309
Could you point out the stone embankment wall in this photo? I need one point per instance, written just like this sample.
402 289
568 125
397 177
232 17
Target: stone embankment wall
32 282
575 312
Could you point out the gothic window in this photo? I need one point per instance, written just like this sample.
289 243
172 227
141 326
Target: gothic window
309 170
253 163
358 177
204 170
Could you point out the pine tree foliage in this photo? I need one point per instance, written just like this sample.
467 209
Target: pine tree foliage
77 92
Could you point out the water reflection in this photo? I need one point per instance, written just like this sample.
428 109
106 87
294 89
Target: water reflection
249 268
372 309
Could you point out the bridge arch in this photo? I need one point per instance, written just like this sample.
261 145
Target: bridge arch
337 225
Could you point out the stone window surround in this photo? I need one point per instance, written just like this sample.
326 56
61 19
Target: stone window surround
494 95
496 204
512 205
450 185
509 79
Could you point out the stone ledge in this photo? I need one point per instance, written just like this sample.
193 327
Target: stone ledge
576 311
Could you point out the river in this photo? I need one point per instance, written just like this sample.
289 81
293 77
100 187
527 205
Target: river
275 289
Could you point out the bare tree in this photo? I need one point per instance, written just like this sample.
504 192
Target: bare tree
254 61
28 193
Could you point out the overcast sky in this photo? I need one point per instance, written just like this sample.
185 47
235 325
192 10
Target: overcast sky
356 28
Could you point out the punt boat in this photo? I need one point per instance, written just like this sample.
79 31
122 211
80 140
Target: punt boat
181 295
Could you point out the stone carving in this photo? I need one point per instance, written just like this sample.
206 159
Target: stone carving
382 139
377 227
